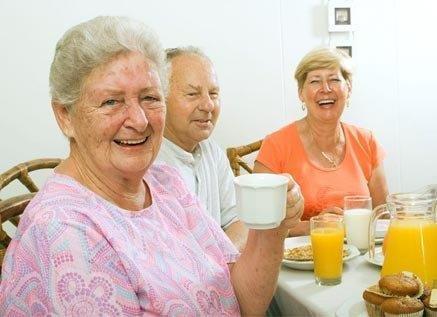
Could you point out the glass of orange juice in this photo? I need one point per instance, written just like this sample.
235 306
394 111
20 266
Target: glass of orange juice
327 234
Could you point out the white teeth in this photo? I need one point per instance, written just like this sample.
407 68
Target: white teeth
322 102
131 142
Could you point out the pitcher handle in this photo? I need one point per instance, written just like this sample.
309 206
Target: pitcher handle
377 213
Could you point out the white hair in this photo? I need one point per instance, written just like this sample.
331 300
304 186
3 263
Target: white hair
93 43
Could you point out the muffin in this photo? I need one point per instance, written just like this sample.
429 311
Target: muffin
395 286
430 307
402 306
426 292
373 303
401 284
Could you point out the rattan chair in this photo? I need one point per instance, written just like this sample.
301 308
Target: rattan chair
12 207
236 154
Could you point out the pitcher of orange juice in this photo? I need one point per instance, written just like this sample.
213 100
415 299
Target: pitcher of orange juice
411 239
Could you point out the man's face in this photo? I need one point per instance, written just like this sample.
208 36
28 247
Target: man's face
193 102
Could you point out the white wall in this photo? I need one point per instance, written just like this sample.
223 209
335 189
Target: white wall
255 44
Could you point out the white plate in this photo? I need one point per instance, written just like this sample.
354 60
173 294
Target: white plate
309 265
378 241
353 307
379 257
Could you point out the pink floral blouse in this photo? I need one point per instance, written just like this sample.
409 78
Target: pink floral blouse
77 254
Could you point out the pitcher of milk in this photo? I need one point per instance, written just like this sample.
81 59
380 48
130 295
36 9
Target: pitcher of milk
411 239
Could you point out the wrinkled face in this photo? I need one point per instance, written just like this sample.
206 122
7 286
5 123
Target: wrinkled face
117 125
193 103
325 93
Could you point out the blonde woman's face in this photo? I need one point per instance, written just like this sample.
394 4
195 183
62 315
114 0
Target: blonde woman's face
117 125
325 93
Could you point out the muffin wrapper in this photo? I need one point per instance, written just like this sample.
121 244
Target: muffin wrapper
430 313
416 314
373 310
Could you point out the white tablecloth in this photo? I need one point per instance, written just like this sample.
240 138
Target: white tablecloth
298 295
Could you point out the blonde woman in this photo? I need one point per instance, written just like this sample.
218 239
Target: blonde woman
328 158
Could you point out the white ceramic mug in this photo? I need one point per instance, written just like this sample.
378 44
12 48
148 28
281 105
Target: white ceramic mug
261 199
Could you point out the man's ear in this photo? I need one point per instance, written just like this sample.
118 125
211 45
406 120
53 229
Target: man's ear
63 117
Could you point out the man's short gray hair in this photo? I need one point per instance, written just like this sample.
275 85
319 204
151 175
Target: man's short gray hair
93 43
184 50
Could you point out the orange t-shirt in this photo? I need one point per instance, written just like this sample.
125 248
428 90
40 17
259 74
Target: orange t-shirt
283 152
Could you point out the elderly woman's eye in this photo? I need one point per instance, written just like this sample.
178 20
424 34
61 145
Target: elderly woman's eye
109 102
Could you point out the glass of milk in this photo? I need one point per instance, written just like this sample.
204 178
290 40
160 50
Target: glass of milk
357 212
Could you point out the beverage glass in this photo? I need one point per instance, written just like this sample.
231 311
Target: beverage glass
327 235
261 199
357 213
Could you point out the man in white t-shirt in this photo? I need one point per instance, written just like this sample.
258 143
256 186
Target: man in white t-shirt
193 106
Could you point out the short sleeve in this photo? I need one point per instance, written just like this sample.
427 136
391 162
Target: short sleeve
269 154
208 233
377 152
230 252
64 267
228 212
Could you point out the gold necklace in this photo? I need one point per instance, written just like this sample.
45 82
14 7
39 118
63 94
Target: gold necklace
330 159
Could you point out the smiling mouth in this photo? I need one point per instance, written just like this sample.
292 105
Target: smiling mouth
326 102
131 142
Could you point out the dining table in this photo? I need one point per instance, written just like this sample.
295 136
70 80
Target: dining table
297 293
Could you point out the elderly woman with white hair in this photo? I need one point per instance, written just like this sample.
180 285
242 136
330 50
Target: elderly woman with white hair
110 233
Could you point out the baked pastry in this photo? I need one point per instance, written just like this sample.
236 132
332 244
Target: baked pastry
402 306
430 306
426 292
304 253
404 286
373 303
401 284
